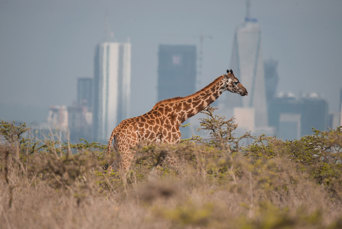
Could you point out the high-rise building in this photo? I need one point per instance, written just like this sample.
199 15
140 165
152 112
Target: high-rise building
176 71
289 126
315 113
248 65
335 118
271 83
111 87
271 78
295 117
85 92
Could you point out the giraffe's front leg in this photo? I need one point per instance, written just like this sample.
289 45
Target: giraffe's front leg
175 137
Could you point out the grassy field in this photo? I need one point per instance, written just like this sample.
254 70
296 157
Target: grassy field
215 183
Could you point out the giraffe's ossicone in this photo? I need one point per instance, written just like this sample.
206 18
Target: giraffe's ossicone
162 122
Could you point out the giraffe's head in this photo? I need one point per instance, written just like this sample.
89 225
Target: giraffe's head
232 84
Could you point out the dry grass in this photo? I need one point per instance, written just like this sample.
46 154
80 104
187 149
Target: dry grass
190 185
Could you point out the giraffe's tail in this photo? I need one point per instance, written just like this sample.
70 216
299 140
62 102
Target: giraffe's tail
110 141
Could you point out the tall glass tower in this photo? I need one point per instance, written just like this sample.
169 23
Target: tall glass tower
248 65
112 87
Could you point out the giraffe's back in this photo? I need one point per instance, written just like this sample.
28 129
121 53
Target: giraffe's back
148 128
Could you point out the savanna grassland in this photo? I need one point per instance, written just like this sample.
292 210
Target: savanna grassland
219 182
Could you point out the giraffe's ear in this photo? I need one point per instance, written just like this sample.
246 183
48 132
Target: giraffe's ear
230 71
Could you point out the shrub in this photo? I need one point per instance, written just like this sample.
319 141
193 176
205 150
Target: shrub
210 183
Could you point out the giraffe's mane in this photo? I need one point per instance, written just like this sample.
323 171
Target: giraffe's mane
167 101
180 98
208 86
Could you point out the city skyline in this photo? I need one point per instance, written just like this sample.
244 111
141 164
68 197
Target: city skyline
62 49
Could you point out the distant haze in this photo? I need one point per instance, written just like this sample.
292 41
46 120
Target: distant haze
45 45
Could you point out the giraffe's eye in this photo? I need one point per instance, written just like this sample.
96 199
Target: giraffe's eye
236 83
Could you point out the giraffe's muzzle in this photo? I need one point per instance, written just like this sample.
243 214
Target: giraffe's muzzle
243 91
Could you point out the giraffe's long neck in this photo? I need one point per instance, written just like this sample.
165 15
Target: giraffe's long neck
190 105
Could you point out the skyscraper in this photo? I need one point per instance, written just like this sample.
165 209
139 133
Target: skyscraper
295 117
271 83
176 70
112 87
85 92
247 62
176 73
335 118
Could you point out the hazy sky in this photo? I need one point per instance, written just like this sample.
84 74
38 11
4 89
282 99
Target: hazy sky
45 45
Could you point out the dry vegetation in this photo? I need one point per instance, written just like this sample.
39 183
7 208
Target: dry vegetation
215 183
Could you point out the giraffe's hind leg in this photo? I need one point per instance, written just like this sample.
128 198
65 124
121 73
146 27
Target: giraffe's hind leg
125 162
113 159
126 158
125 146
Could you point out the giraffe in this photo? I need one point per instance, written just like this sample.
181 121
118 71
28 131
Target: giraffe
162 122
